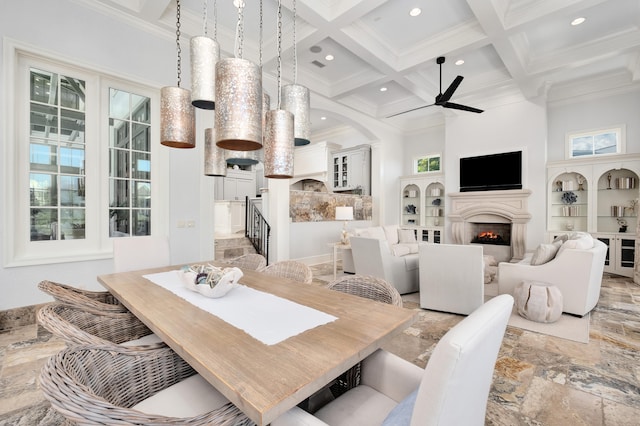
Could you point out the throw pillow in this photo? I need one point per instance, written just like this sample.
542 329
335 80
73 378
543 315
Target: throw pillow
406 236
391 232
577 240
560 238
401 413
543 254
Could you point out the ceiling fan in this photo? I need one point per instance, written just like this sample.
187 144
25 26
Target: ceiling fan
443 98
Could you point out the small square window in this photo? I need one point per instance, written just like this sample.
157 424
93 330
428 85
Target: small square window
427 164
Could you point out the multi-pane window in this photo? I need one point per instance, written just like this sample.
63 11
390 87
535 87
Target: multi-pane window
129 164
428 163
596 142
79 144
56 156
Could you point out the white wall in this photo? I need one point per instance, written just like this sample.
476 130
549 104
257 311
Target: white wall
81 36
592 114
513 127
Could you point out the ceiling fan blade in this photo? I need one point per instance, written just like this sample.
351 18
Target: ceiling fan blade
449 92
461 107
409 110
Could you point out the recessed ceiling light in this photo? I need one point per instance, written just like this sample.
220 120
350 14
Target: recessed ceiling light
383 89
323 118
459 62
329 57
415 11
578 21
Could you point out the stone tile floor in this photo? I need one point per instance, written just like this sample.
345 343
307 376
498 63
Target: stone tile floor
539 379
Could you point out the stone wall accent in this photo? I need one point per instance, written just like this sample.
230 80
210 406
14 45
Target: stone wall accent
311 206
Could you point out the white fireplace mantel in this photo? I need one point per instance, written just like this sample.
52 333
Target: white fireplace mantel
509 206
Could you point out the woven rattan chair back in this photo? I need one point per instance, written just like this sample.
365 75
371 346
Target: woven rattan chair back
367 286
79 327
372 288
98 385
252 261
291 269
97 301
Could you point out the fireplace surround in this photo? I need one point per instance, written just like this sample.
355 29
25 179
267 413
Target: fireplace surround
486 207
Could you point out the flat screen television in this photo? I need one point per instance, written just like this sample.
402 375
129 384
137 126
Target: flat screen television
491 172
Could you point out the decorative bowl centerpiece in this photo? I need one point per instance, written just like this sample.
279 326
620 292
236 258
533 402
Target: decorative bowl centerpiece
209 280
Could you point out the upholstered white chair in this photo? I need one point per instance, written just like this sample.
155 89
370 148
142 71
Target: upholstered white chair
131 253
372 256
451 277
452 390
576 272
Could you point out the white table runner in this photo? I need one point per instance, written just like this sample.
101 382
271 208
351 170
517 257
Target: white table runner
267 318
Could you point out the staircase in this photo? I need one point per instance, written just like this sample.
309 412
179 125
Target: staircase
230 246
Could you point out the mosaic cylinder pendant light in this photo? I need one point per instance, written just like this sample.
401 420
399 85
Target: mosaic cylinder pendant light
205 53
248 158
238 105
214 161
296 100
278 145
242 158
177 118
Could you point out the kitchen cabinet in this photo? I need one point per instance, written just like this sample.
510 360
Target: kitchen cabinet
351 170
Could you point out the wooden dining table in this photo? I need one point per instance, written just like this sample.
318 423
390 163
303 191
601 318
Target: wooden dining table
263 380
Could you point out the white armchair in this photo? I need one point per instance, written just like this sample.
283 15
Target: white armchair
372 256
452 389
576 272
451 277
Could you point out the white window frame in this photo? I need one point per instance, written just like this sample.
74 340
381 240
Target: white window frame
621 144
19 250
420 157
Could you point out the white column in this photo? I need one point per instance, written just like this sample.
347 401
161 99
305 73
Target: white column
279 221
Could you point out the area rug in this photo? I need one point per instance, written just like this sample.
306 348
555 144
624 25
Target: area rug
567 327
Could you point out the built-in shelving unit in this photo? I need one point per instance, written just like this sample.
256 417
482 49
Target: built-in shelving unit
599 196
422 206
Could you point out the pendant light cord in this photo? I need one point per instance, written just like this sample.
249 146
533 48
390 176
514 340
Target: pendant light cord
215 20
179 50
240 30
295 49
260 35
204 17
279 50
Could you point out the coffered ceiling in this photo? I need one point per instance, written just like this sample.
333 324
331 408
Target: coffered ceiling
511 49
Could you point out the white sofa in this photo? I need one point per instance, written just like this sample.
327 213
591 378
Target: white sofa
373 256
576 270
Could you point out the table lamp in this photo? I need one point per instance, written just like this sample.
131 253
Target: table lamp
344 213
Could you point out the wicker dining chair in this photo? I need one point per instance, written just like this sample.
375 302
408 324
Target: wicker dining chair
252 261
77 326
93 384
97 301
291 269
373 288
370 287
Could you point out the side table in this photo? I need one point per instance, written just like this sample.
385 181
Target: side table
337 246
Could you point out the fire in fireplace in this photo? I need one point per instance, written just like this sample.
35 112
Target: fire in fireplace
492 233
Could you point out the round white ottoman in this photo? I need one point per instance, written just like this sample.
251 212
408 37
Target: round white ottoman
537 301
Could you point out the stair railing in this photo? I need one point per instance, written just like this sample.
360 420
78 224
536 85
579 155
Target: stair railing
257 230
